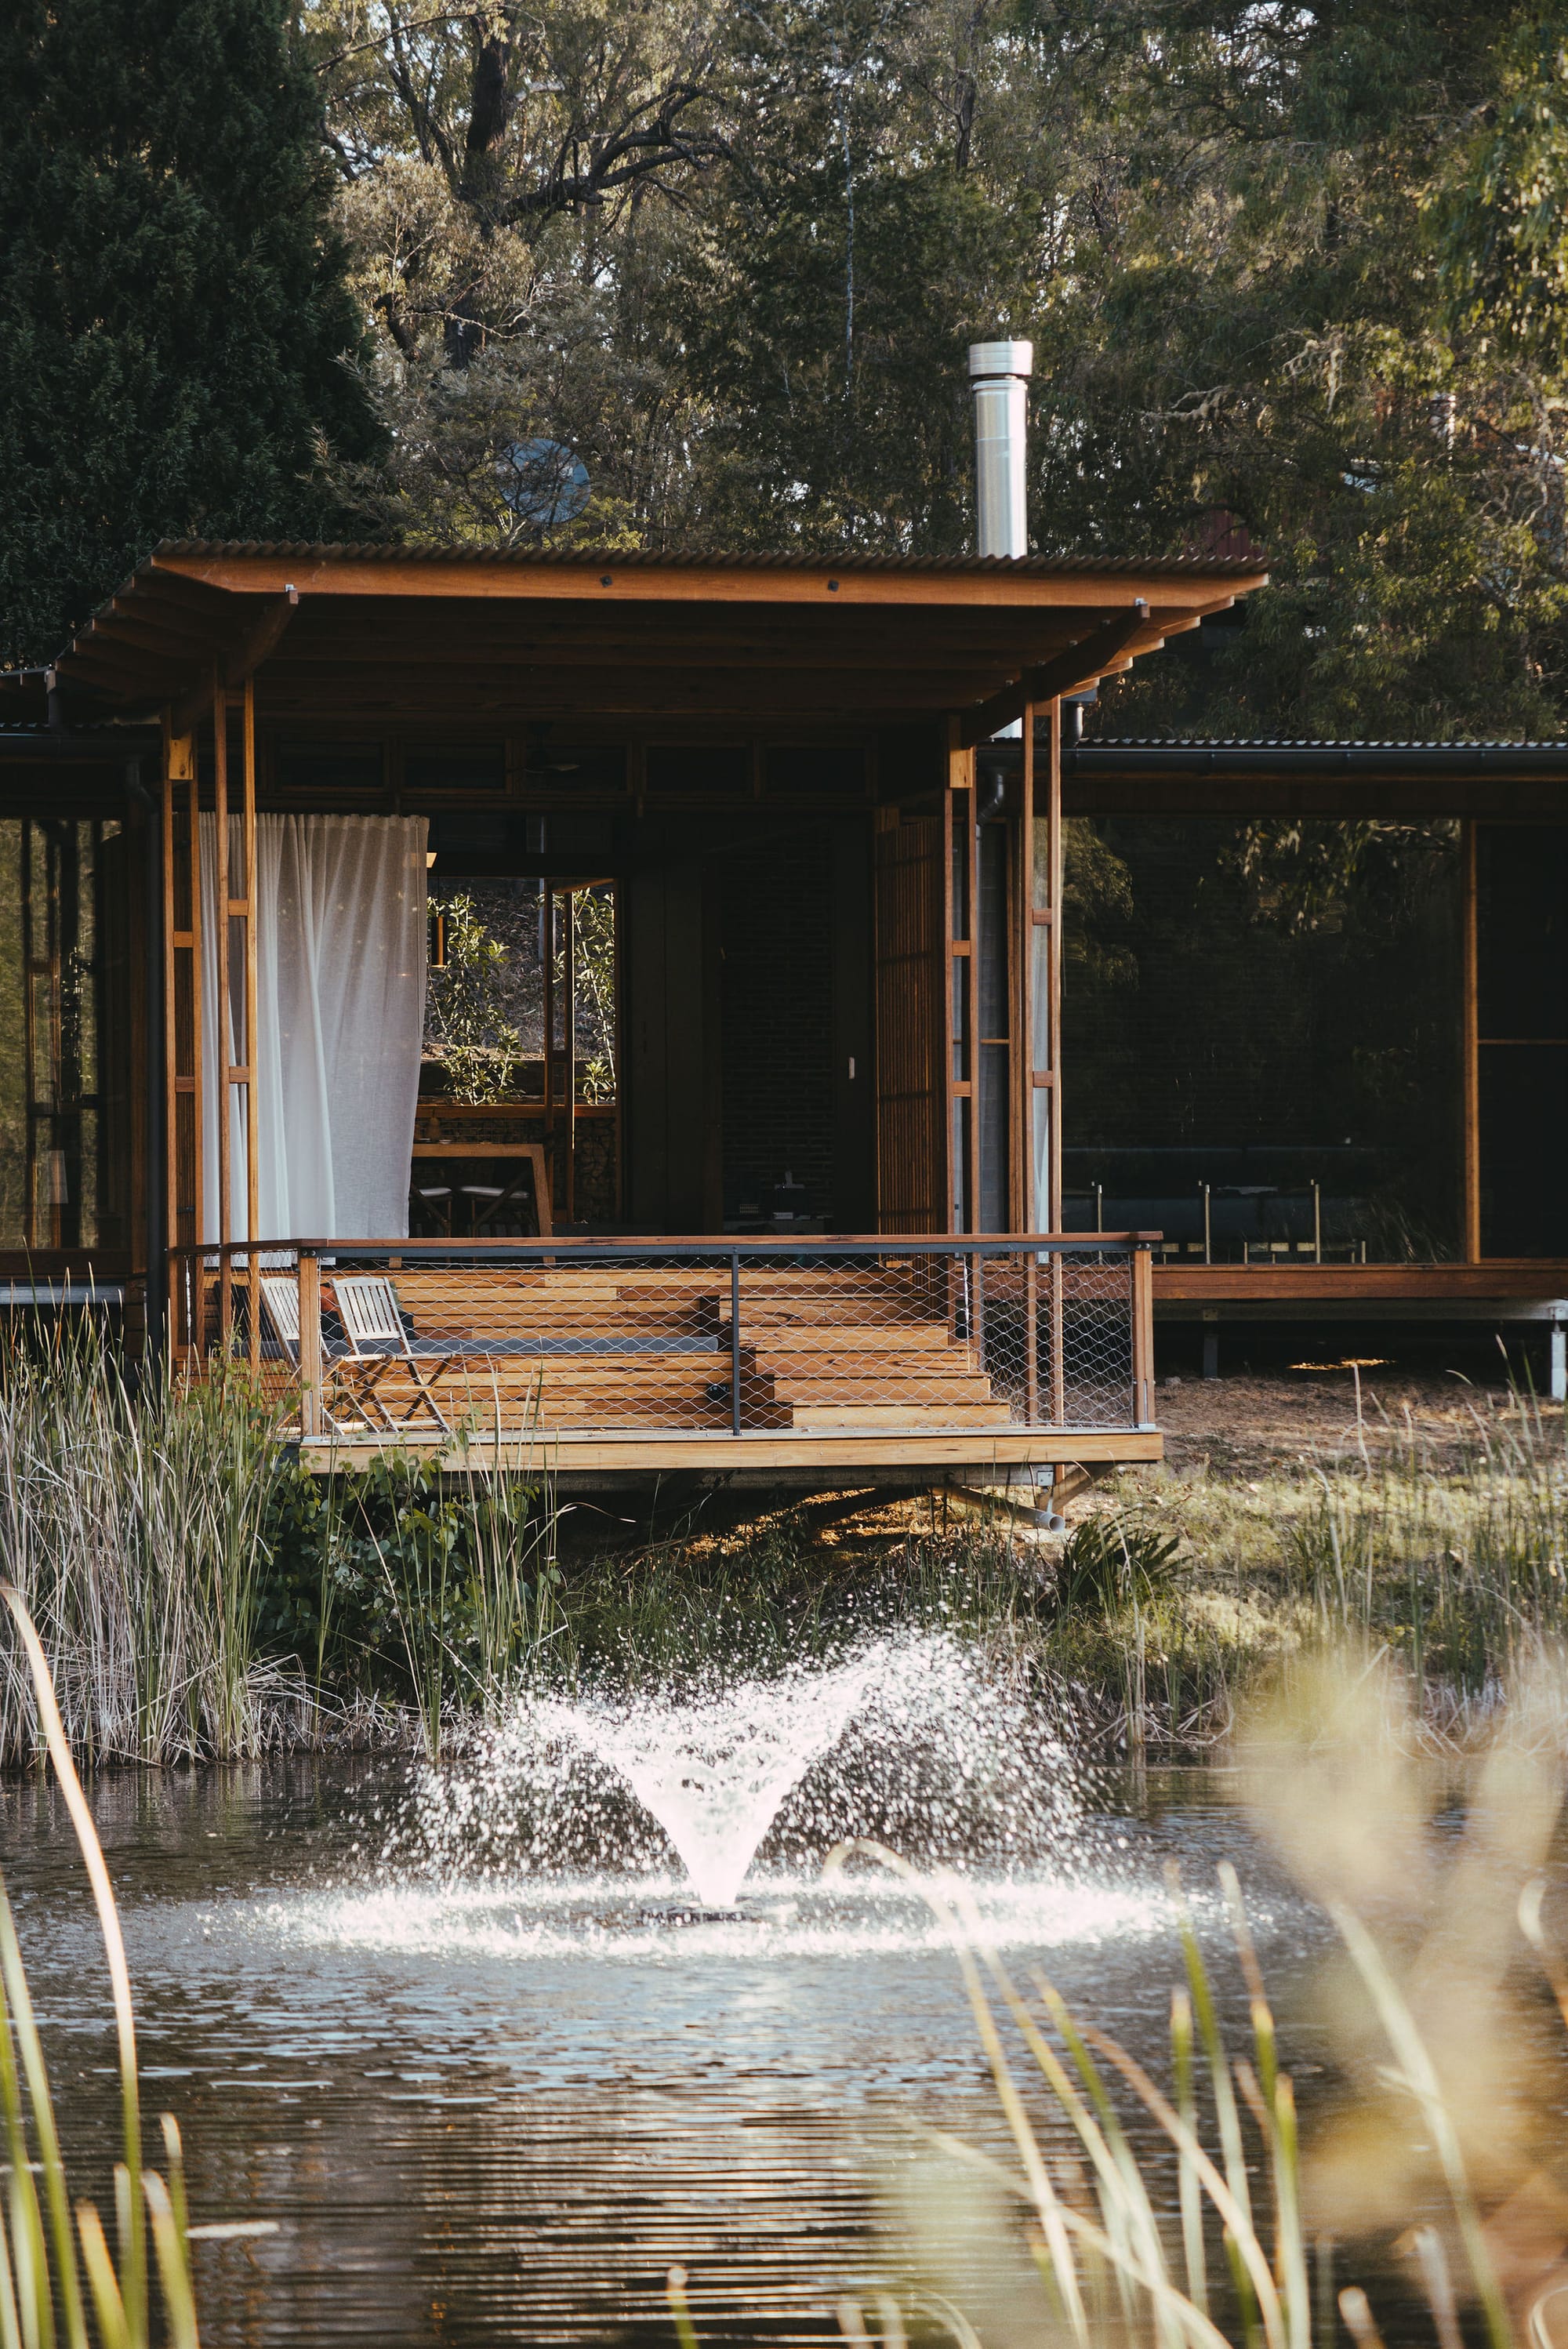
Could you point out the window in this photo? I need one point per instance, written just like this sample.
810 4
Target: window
594 767
827 771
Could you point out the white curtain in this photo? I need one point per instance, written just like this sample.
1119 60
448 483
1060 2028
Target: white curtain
341 955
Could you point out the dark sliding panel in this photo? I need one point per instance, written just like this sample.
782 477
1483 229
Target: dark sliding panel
1522 1018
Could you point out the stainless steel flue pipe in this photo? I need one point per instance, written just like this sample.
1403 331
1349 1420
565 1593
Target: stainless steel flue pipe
1000 374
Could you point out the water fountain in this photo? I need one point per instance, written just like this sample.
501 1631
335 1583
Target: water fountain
579 2003
906 1737
715 1774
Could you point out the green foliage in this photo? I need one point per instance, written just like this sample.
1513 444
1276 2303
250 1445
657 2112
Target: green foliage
1114 1560
1288 274
1502 229
175 331
392 1580
476 1048
594 967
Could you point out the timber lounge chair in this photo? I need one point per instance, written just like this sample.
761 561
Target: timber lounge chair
377 1339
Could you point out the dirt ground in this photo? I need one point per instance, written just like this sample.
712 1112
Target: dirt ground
1250 1426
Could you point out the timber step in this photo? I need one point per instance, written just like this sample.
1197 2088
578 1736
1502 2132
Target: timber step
894 1416
576 1349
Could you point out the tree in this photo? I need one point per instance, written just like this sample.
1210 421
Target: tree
177 338
1293 274
1295 306
512 181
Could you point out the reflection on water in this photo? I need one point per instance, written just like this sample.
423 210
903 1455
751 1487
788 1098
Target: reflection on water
497 2108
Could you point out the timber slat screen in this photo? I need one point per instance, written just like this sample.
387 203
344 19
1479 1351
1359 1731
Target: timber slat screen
564 1341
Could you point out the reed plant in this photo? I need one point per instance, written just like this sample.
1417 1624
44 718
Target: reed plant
43 2263
132 1525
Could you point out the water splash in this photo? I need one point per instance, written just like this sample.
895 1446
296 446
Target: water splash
908 1738
715 1774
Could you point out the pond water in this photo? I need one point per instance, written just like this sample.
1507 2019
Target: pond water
491 2097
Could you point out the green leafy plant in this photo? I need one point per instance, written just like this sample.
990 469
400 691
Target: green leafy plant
593 976
477 1049
1113 1561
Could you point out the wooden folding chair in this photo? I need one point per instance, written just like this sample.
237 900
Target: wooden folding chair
377 1340
280 1305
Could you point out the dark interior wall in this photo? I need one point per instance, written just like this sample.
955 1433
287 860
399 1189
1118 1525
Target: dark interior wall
853 1042
667 958
776 932
799 1097
1212 1032
747 963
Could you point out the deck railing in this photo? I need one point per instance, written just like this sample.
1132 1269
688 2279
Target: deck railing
818 1339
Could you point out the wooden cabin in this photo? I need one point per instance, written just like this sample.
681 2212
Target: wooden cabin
607 1005
646 1042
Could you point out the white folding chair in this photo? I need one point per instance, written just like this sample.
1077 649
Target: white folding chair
280 1305
373 1324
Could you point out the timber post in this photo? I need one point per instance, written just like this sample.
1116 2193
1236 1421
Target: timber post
309 1273
1143 1335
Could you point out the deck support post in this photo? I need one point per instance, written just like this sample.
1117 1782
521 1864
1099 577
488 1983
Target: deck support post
1559 1380
309 1269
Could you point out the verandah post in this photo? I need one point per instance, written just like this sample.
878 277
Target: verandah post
309 1273
1059 1342
222 1009
1143 1336
1023 1059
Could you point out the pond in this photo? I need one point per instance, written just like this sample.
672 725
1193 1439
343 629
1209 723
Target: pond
490 2098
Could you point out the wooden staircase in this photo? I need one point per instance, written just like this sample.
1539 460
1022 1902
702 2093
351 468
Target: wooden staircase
577 1348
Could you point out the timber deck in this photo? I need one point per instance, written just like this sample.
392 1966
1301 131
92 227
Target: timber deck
879 1358
1503 1288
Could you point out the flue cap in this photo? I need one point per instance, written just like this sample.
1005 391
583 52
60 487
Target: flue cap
1001 358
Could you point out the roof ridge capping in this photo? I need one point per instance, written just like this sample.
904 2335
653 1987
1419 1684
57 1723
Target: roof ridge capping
700 558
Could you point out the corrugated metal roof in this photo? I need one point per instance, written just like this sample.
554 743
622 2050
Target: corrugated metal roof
700 558
1292 742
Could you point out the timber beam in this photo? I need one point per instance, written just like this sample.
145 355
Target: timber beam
241 659
1081 665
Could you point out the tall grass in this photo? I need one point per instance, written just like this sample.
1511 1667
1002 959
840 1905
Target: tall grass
41 2276
468 1571
131 1525
1455 1567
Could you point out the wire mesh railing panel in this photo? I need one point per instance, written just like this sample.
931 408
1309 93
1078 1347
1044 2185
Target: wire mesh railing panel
425 1341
